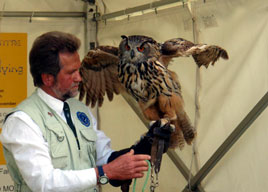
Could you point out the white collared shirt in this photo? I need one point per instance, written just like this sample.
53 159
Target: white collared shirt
24 139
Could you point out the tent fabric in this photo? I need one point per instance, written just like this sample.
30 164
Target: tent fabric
229 90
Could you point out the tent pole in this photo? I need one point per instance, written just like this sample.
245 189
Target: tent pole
144 7
86 28
132 10
182 167
41 14
192 9
228 143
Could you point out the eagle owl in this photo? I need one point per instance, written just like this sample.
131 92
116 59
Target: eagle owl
139 66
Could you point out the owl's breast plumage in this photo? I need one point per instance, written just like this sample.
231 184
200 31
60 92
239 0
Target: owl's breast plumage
146 80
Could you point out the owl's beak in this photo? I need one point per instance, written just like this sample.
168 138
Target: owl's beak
132 54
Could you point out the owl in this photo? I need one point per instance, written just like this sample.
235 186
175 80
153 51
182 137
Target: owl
139 66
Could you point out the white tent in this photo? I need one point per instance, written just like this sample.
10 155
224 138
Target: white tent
226 93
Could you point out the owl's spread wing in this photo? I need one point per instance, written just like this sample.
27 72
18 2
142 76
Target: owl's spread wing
99 75
203 54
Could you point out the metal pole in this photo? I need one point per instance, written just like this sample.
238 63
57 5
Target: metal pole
192 10
182 167
41 14
144 7
227 144
86 28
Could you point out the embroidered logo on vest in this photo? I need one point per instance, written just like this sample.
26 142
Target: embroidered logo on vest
83 118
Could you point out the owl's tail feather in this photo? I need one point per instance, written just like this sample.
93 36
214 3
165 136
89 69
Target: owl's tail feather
184 131
188 130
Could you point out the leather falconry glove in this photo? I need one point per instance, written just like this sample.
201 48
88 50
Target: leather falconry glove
144 145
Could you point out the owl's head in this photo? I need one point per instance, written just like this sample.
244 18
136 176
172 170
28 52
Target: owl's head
137 49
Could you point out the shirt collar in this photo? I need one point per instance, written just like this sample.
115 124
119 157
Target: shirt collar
52 102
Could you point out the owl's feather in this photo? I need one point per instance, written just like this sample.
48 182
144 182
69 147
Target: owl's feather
139 67
203 54
99 72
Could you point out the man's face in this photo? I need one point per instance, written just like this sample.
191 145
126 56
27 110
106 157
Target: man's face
67 80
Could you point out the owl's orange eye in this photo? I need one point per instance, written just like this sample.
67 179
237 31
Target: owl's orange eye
127 47
140 49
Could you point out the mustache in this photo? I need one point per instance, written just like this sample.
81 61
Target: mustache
75 84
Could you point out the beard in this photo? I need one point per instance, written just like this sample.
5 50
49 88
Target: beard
64 95
69 95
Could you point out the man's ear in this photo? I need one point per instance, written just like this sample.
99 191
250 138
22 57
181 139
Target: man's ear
47 79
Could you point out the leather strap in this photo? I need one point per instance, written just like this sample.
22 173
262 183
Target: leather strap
100 170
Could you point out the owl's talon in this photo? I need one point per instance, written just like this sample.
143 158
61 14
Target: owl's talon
164 122
166 125
151 123
172 127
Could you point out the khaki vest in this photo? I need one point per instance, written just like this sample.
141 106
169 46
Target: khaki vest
63 146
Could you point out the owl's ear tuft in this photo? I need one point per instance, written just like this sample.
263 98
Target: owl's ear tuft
124 37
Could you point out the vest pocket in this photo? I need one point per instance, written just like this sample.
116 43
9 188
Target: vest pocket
58 146
89 138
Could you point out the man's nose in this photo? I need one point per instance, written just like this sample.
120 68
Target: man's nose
77 77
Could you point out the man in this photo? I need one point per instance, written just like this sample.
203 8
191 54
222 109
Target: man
50 140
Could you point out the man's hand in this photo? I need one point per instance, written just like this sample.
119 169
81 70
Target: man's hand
127 166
